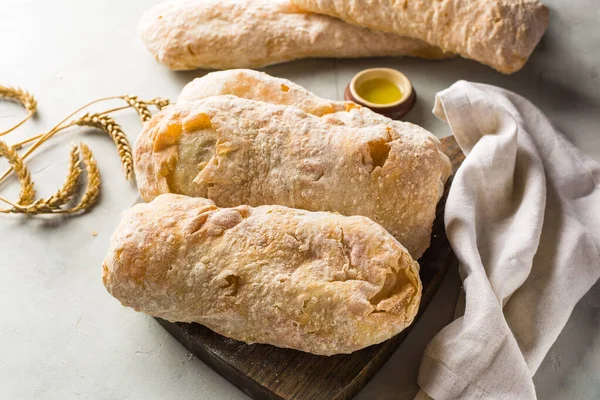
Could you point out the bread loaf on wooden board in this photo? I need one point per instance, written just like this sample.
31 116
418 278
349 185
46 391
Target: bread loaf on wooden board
221 34
312 281
498 33
238 151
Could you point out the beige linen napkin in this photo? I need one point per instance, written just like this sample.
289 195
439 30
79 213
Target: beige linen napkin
523 217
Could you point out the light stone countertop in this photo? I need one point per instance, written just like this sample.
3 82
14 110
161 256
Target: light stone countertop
63 337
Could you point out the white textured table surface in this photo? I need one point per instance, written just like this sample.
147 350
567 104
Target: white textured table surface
63 337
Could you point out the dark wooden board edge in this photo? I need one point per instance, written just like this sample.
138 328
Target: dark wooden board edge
242 381
193 335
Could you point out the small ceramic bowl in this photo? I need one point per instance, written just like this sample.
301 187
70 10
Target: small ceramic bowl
395 110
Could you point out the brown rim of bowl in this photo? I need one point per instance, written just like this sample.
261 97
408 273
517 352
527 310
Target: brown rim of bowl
394 110
395 76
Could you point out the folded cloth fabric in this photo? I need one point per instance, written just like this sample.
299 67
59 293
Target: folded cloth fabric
523 217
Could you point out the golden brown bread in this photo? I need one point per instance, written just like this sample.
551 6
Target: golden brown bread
313 281
237 151
498 33
254 85
221 34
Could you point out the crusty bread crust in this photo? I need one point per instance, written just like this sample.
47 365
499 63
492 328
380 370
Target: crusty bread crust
238 151
498 33
313 281
254 85
221 34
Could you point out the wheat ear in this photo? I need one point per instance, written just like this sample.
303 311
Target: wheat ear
64 194
22 97
107 124
92 189
139 106
27 190
160 103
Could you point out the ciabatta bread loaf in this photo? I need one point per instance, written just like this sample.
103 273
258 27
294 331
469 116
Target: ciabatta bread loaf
221 34
254 85
312 281
238 151
498 33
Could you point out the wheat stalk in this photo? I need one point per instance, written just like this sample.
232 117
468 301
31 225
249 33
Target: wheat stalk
22 97
54 203
139 106
27 190
64 194
159 102
107 124
69 187
92 190
42 138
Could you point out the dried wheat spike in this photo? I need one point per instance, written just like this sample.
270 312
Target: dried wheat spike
160 103
21 96
140 107
27 190
92 189
64 194
107 124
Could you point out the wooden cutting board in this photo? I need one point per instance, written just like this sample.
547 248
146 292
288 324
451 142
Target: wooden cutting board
268 372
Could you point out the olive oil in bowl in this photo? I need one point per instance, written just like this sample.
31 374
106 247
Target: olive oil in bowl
379 91
384 90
